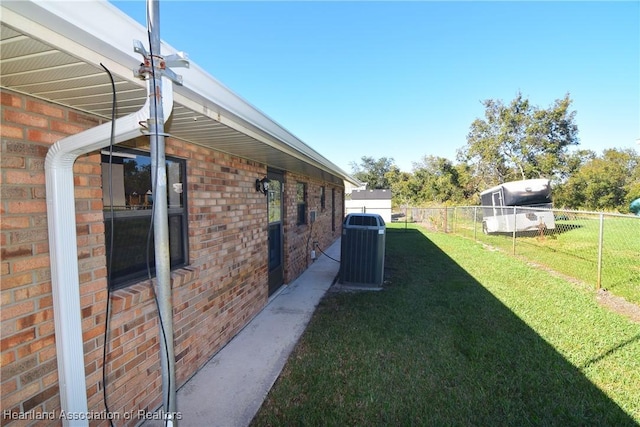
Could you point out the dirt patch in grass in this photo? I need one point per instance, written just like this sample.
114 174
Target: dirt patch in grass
603 297
618 305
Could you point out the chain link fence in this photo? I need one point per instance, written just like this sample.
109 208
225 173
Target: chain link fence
596 248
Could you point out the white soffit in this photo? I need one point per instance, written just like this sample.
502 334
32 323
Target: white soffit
52 50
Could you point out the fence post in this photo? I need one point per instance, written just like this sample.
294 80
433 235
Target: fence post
455 219
406 211
600 240
446 215
514 229
475 216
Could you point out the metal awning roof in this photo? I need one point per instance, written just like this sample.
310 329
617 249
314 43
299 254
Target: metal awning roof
52 50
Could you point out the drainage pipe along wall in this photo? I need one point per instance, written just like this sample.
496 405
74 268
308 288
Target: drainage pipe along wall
63 249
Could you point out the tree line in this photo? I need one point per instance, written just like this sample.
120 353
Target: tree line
511 142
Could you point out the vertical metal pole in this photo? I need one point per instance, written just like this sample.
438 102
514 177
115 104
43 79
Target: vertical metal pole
455 217
160 221
514 229
475 216
446 225
406 209
600 241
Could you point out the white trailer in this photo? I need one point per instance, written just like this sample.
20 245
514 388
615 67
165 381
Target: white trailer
518 206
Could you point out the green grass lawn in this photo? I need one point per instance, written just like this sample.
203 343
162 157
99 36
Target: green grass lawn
572 249
461 335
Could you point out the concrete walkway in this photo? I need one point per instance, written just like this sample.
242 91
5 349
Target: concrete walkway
230 388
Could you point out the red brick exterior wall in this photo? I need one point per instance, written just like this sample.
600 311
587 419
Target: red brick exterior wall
298 239
223 287
29 369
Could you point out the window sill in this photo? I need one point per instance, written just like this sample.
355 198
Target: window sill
141 292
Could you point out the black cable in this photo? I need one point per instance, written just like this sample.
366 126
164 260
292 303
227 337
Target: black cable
153 207
309 239
105 342
336 260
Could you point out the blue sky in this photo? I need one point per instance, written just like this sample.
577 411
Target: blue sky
406 79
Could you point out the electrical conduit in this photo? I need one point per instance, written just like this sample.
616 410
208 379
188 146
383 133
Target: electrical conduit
63 251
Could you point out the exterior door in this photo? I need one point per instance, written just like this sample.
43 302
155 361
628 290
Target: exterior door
274 210
497 203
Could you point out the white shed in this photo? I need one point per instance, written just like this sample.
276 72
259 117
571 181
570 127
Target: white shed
370 201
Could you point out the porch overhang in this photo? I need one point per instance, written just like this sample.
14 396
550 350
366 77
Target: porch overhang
52 50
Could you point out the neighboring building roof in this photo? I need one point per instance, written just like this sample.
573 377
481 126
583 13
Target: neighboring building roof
349 188
371 195
52 50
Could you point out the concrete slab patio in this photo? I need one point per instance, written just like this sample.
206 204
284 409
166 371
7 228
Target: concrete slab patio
230 388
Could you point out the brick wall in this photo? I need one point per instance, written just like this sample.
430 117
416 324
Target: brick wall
29 370
223 287
298 239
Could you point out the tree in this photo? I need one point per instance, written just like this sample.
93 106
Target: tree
436 179
372 171
468 185
520 141
399 183
607 182
566 192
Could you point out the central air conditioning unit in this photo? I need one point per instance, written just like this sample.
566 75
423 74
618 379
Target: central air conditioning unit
362 249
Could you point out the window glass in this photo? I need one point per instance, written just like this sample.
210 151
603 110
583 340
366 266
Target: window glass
301 202
275 201
127 181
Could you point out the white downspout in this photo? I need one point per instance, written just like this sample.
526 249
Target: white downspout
63 251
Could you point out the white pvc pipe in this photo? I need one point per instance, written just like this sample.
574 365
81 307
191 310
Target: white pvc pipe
63 251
